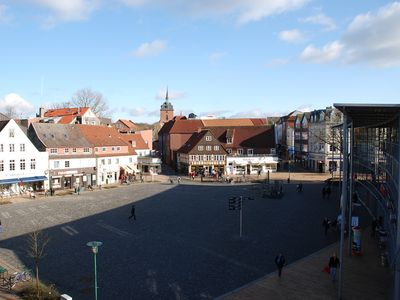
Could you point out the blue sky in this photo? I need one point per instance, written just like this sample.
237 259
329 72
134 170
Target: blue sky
229 58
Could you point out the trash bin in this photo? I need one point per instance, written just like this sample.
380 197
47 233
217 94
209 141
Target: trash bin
384 259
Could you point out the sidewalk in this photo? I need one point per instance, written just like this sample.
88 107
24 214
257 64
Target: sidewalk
363 278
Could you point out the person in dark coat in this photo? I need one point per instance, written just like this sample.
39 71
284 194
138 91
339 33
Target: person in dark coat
133 214
326 224
280 262
334 264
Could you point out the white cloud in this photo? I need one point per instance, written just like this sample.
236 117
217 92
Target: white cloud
371 38
4 16
217 56
153 48
67 10
21 107
321 19
254 113
292 36
143 112
375 38
243 10
327 53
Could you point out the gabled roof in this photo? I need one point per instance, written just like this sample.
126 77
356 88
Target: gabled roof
3 117
166 128
140 143
192 141
246 136
98 135
186 126
59 135
60 112
233 122
3 124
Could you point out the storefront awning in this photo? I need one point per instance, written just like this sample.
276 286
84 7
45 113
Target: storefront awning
9 181
33 179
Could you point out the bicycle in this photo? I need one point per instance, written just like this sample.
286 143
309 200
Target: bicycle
23 276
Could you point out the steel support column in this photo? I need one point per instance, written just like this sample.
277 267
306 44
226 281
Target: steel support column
345 144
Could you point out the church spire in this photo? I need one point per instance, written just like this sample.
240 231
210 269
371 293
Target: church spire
166 95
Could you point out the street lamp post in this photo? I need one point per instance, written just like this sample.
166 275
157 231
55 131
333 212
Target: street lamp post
95 248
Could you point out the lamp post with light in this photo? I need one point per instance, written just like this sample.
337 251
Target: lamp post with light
95 248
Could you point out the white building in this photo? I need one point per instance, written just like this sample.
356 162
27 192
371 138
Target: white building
323 146
22 165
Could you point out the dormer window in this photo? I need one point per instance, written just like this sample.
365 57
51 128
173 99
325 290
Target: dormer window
208 138
240 151
229 140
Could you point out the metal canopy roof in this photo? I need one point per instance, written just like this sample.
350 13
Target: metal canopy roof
369 115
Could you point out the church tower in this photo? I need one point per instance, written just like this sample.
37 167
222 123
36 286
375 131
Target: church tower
166 111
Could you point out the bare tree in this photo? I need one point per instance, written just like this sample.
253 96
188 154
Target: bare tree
88 98
36 244
10 112
56 105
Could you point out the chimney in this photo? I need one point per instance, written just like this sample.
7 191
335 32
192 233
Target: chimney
41 112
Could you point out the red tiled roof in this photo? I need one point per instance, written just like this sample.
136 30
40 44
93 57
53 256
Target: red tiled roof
186 126
67 119
233 122
261 137
59 112
98 135
129 124
140 143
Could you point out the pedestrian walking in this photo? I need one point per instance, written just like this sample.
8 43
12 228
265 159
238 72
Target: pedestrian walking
334 264
133 212
280 262
326 224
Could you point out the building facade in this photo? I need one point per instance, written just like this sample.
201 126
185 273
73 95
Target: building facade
22 166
